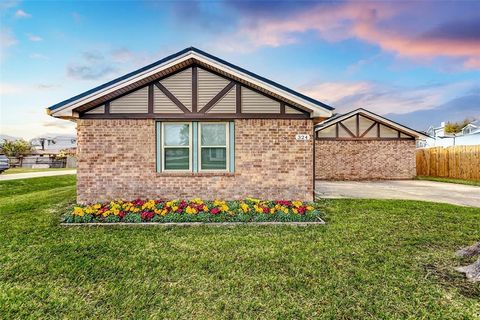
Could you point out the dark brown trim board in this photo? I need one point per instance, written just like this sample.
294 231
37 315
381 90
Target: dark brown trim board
219 96
195 116
194 88
172 97
150 99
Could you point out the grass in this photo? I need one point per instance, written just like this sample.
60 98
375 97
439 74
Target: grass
373 259
451 180
28 170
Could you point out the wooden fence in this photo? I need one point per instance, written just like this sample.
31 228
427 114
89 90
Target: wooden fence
461 162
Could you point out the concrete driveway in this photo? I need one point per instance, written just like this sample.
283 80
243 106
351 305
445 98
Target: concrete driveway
401 189
15 176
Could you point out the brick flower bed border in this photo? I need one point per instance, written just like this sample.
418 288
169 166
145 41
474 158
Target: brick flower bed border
194 212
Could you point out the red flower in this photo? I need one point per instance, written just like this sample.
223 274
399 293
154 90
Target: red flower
179 210
284 203
147 215
121 214
266 210
302 210
215 211
182 204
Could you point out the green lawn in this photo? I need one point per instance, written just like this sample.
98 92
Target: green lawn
27 170
373 259
450 180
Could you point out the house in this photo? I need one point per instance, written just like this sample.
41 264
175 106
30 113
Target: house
469 135
193 125
53 143
471 128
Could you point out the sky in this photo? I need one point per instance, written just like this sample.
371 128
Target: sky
415 62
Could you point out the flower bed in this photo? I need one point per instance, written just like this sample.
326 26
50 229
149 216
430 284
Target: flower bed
195 210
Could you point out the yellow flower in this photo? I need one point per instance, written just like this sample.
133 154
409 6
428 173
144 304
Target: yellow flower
78 211
297 204
244 207
197 201
258 209
174 208
97 206
191 210
295 210
272 211
309 208
224 208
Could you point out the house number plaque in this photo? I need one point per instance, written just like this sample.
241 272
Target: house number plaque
302 137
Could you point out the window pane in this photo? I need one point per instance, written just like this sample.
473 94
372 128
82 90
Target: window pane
214 134
214 158
176 158
176 134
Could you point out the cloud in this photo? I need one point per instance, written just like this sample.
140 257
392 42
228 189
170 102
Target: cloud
34 38
93 66
7 40
22 14
448 31
381 98
46 86
9 88
78 18
38 56
7 4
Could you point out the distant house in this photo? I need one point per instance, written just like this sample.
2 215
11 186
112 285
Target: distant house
469 135
471 128
52 143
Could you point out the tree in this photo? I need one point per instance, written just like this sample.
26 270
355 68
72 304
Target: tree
456 127
18 148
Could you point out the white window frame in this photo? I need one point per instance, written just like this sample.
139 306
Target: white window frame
190 147
227 146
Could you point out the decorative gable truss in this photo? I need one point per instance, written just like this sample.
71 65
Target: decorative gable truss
195 92
360 126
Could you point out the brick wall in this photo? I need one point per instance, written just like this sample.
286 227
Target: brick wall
364 160
116 159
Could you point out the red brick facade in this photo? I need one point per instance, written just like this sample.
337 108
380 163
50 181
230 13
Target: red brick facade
364 160
117 160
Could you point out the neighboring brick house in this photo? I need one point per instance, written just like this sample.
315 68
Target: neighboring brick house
193 125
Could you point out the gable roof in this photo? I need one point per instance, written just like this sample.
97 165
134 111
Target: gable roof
66 107
373 116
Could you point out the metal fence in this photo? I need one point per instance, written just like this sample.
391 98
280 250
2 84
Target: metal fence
32 161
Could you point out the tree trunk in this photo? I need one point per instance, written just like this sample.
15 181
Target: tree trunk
471 271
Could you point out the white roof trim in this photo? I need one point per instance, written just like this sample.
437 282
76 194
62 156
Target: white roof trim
67 109
328 123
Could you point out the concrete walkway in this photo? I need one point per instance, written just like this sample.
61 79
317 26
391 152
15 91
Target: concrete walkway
14 176
401 189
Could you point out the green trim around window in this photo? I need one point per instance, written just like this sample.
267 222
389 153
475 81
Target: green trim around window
158 130
232 146
195 146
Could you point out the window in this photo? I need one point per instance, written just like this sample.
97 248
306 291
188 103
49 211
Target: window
176 146
195 146
213 146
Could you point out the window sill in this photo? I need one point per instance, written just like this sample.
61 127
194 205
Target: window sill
195 174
